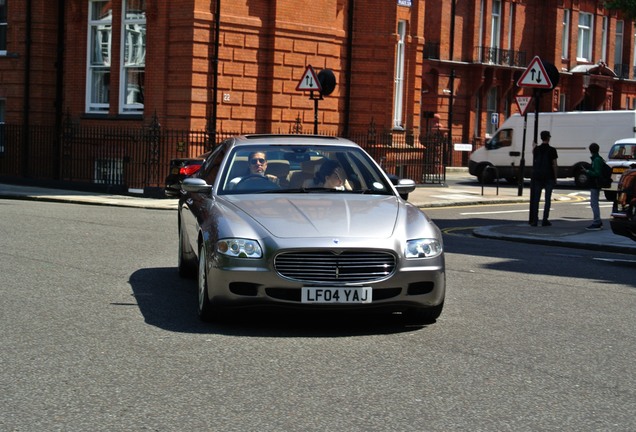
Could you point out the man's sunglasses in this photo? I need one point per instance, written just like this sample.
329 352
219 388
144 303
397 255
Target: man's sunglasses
257 160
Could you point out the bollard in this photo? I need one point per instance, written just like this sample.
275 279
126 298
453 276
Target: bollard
483 177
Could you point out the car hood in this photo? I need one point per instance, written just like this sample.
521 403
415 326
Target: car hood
318 215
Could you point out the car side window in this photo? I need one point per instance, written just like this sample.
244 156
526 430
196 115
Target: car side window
503 138
211 166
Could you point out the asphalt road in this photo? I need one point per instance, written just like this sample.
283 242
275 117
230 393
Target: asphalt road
99 333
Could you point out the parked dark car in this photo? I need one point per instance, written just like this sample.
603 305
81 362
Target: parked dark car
180 169
623 217
257 229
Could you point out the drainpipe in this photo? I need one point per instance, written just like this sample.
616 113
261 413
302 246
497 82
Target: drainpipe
27 91
447 153
348 68
215 85
59 85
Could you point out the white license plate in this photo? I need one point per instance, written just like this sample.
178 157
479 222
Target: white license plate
336 295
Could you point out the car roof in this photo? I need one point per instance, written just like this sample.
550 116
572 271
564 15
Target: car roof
286 139
626 141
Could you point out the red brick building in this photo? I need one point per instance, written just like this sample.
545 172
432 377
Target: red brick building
405 66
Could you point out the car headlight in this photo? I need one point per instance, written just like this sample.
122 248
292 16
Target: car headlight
423 248
241 248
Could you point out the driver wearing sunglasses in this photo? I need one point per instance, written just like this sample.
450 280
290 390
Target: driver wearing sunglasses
257 164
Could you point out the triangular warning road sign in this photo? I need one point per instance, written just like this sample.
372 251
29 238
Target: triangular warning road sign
309 81
535 76
522 103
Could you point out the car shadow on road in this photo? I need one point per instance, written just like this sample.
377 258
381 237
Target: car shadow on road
169 302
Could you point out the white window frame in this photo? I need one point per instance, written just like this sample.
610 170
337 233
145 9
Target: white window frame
511 20
3 27
585 39
133 61
491 108
398 88
604 32
98 61
482 18
495 24
565 35
562 102
618 43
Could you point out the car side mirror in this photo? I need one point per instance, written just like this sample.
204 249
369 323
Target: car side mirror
195 185
405 186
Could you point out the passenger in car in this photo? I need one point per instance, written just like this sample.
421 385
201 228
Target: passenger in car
330 175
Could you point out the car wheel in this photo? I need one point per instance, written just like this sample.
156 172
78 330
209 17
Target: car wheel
581 179
206 309
424 315
610 195
486 175
186 267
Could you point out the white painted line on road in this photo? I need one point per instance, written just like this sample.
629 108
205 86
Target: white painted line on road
587 203
454 196
496 212
616 260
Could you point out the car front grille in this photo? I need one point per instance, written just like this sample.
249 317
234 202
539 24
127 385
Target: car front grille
335 266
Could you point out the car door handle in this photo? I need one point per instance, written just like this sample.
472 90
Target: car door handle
515 153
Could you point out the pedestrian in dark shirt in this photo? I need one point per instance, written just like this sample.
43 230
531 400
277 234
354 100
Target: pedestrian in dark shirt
544 175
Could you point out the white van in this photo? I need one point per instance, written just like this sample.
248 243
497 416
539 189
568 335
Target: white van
572 133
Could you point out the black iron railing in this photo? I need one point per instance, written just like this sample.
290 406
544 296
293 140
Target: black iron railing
500 56
134 160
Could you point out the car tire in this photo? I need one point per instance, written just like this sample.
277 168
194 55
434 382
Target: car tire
512 180
424 315
187 269
581 179
486 175
207 311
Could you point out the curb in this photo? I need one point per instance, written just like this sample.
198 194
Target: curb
491 233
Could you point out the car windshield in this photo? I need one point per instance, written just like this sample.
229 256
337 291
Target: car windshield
625 151
301 169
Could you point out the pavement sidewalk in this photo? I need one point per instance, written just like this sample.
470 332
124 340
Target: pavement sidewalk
561 233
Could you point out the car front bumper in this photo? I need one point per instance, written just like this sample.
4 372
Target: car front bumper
622 225
233 284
